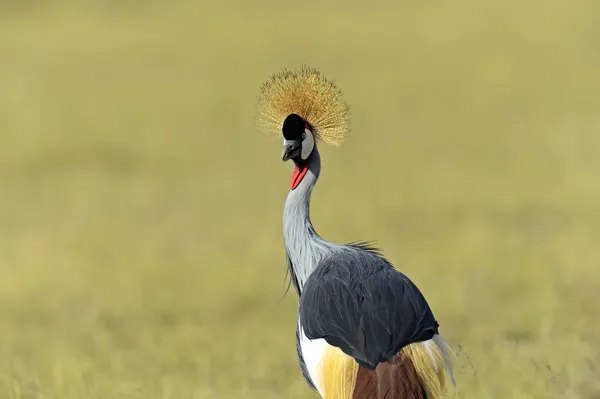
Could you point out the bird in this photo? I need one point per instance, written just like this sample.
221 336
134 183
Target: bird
363 329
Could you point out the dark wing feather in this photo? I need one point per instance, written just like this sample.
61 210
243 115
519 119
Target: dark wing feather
292 276
368 246
358 302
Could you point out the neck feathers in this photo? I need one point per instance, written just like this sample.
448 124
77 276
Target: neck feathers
304 247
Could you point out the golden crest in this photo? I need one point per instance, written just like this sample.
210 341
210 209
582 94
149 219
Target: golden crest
307 93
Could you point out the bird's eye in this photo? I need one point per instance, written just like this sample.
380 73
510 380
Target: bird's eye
303 135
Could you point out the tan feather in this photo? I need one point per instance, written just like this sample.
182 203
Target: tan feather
305 92
337 374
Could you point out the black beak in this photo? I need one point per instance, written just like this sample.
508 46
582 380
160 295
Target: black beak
291 150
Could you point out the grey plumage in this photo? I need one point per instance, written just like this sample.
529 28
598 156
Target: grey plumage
304 247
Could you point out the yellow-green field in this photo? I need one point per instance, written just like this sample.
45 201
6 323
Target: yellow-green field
140 213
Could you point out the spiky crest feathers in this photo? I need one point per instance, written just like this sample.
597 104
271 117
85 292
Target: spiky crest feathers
307 93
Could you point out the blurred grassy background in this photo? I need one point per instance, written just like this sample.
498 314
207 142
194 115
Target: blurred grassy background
140 213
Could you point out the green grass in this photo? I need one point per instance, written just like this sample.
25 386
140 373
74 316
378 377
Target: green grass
140 213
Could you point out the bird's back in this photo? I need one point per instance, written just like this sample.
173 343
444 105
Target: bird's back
372 314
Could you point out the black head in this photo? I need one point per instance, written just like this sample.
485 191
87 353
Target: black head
298 139
293 127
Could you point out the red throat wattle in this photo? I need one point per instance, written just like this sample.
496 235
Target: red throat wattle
298 175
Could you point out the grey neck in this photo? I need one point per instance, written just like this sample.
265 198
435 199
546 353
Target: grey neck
303 245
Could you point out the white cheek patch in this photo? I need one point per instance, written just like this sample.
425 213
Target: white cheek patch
308 144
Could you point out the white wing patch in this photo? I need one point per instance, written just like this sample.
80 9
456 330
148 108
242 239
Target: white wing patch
312 352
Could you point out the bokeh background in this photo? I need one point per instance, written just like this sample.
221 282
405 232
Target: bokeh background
140 212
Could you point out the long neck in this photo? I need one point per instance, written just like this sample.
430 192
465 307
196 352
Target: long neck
303 245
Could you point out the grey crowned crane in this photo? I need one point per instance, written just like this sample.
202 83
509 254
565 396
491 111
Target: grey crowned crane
364 330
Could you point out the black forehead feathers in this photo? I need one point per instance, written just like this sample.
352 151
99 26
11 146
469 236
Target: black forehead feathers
293 127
